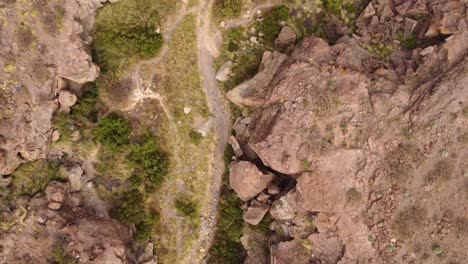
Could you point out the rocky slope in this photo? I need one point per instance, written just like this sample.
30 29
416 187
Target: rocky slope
376 141
45 59
43 53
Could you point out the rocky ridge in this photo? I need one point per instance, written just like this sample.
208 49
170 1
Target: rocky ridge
376 141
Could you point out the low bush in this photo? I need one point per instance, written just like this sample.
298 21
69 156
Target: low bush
270 26
33 177
410 42
186 206
145 228
226 247
128 206
127 30
130 209
195 137
227 8
113 131
86 109
151 164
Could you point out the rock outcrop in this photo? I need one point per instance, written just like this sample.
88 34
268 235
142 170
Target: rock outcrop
43 50
68 232
376 141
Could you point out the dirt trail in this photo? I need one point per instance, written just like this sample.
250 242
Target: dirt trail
220 110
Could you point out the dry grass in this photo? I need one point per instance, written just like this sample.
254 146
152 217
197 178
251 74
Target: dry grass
178 82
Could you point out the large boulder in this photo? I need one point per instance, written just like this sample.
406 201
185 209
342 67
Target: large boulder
247 180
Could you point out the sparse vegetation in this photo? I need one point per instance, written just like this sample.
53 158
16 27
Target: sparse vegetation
263 226
113 131
353 195
129 208
408 219
409 42
441 172
195 137
33 177
186 206
227 8
226 247
380 49
59 256
270 26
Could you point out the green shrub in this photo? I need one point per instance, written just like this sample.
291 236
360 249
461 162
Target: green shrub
86 110
126 30
145 228
270 25
33 177
151 164
333 6
186 206
226 247
227 8
64 124
195 137
410 42
113 131
130 209
128 206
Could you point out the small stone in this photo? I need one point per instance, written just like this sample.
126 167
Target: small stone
235 146
224 72
246 120
56 135
5 182
54 206
187 110
74 177
75 136
273 189
262 197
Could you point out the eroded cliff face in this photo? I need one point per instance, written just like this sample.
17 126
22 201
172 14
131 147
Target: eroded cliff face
44 50
377 145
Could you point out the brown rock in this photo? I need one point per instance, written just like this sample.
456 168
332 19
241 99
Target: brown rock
291 252
326 249
286 37
56 191
67 99
255 212
246 180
